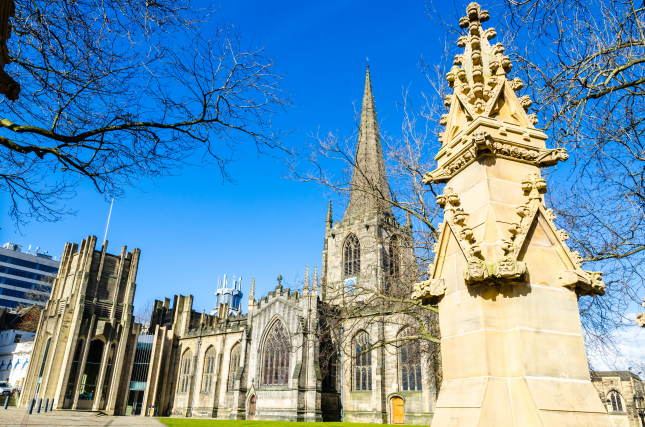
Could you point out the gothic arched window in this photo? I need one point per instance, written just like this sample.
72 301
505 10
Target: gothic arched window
363 362
352 256
394 257
615 401
209 370
276 356
410 364
184 372
234 365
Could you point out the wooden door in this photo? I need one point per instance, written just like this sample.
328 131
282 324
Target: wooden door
398 410
252 408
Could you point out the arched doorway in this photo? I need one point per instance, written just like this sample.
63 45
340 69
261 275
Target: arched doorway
398 411
252 408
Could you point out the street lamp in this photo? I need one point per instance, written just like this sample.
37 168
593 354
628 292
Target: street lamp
639 406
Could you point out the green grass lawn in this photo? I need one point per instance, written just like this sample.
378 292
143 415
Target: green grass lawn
191 422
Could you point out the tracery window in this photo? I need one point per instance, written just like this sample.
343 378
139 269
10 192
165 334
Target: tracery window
352 256
615 401
410 364
209 370
276 356
184 372
363 362
393 253
234 365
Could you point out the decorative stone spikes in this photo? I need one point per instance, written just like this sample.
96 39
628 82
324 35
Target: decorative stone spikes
330 218
305 290
252 293
314 289
478 75
640 317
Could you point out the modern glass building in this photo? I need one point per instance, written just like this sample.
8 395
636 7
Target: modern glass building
25 278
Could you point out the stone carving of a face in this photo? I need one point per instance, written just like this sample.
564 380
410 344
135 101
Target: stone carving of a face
506 267
476 270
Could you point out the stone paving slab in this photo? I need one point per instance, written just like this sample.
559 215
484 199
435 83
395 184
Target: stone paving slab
13 417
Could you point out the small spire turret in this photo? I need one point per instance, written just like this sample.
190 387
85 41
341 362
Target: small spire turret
314 288
305 290
330 218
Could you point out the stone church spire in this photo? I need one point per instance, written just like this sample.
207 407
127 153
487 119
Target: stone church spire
369 182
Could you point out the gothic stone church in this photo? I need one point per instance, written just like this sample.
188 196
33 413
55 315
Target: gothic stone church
262 365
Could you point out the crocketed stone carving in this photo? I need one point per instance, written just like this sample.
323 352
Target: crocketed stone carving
480 59
429 288
483 143
640 317
583 282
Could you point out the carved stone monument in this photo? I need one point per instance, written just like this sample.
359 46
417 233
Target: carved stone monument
506 283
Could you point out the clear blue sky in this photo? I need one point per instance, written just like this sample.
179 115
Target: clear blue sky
192 228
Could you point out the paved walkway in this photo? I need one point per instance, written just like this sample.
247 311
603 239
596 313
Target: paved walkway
13 417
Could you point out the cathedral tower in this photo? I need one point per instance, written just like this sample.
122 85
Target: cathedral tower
362 249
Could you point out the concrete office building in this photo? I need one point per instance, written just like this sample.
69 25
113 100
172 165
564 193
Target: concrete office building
25 278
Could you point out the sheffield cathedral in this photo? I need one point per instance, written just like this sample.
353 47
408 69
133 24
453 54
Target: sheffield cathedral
268 364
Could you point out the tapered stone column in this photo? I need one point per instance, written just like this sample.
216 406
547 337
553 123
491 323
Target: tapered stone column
504 279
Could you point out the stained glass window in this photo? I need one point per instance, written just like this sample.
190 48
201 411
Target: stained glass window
363 362
616 401
184 371
276 356
234 366
352 256
209 370
410 364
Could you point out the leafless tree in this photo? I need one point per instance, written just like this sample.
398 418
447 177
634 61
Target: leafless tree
143 313
116 92
329 160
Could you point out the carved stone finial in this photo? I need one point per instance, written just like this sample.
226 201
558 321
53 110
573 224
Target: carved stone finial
314 287
449 199
583 282
279 287
534 185
429 288
305 290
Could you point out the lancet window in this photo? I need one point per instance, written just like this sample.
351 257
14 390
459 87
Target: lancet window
410 364
234 365
394 257
363 362
352 256
209 370
614 401
184 381
276 356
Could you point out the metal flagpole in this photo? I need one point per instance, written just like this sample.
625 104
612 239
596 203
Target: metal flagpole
108 221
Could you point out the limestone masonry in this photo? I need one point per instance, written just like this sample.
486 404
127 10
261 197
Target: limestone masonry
504 280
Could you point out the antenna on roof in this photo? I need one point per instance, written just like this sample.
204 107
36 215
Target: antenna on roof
108 221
